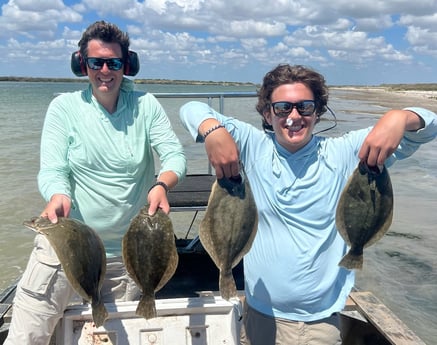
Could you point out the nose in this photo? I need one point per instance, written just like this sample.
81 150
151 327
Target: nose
105 67
294 111
294 115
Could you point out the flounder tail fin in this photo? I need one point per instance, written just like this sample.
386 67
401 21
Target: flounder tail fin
100 314
146 307
351 261
227 286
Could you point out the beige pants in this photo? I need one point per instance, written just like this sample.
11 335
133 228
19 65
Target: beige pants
260 329
44 292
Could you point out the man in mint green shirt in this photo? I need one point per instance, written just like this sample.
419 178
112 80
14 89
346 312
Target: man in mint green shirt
102 162
97 166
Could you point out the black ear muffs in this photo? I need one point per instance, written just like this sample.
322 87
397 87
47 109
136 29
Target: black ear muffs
78 64
131 66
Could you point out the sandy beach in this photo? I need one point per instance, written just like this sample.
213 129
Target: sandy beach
390 98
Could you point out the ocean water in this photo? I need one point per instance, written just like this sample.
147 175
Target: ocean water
400 269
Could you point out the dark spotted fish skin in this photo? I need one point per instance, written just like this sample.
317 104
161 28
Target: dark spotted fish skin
82 255
364 212
150 256
228 228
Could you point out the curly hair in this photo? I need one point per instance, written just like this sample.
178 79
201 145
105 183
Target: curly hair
290 74
105 32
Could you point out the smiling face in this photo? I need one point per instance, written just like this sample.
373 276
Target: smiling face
296 136
105 82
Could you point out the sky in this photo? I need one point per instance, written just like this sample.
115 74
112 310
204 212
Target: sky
351 42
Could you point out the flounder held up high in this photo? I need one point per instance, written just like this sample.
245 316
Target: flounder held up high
229 227
82 255
150 256
364 212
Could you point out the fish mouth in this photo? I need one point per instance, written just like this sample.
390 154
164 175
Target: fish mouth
31 221
234 185
30 224
34 223
364 168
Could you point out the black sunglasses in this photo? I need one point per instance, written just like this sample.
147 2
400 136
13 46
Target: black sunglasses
304 108
114 64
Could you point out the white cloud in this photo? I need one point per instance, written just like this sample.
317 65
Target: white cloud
159 6
250 44
37 6
111 7
35 19
252 28
428 20
374 24
423 41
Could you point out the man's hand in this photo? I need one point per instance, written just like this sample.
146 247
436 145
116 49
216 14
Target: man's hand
386 135
221 150
58 206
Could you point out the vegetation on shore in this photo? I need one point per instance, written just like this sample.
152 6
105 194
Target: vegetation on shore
31 79
137 81
393 87
389 87
411 87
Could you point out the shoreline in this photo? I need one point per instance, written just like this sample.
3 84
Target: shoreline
136 81
389 97
428 89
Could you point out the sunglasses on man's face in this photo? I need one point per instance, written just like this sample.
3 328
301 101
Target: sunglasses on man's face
304 108
113 64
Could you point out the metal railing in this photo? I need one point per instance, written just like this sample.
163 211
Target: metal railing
208 95
221 96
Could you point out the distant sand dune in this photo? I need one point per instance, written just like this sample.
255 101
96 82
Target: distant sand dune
390 98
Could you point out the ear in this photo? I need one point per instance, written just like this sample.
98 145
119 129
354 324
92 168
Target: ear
78 64
132 65
267 114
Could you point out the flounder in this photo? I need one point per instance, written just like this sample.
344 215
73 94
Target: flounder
150 256
82 255
364 212
229 227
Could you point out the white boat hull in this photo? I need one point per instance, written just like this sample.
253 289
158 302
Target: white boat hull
207 319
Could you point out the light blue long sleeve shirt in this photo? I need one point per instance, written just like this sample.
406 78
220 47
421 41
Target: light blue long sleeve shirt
103 161
291 270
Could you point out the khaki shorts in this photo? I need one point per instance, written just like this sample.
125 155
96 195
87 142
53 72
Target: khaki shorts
44 292
260 329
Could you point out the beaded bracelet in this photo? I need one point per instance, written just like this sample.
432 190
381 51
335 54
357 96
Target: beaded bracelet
212 129
159 183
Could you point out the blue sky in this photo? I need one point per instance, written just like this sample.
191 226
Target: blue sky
352 42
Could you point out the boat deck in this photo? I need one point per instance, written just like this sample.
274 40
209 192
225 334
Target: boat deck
368 321
192 193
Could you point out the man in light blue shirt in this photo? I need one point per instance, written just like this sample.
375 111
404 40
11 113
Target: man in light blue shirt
293 284
97 166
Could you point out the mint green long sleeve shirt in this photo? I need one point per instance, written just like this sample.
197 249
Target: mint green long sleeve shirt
105 162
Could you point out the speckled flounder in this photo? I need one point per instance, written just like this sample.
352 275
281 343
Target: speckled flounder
229 227
82 255
150 256
364 212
